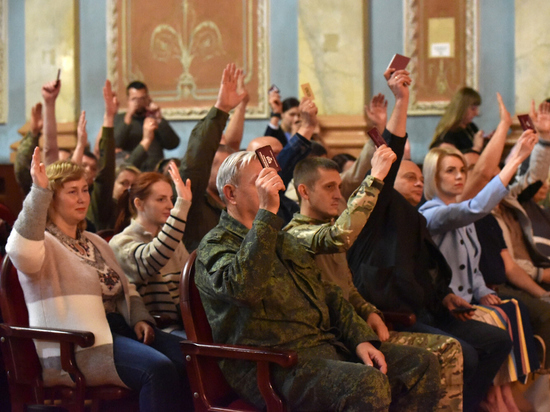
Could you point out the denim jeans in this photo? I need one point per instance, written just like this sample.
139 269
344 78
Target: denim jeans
484 349
157 371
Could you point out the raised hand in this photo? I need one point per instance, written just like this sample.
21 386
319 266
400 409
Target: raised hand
479 141
241 89
81 133
37 121
268 185
399 83
149 127
275 102
111 104
376 112
503 112
371 356
38 170
381 162
541 118
228 97
308 113
525 144
50 91
153 110
182 189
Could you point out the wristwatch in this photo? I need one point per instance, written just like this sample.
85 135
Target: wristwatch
276 115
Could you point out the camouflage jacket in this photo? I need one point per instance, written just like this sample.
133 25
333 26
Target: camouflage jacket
328 241
260 287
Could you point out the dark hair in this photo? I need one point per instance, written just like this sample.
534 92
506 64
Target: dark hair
162 164
136 85
317 150
306 171
342 158
89 154
289 103
140 189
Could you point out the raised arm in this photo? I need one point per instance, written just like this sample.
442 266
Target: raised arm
50 91
398 82
101 210
234 130
487 165
26 241
338 237
81 139
23 156
141 260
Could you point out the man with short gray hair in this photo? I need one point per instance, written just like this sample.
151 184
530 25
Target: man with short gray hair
260 287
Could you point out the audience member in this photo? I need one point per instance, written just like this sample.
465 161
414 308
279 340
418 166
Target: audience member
23 156
129 126
285 117
71 280
451 225
327 240
202 159
289 299
396 266
150 250
344 161
126 175
456 126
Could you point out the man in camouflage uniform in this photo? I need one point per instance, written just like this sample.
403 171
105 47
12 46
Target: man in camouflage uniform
318 186
260 287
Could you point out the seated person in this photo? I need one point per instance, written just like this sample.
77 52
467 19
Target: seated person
125 176
285 117
129 126
456 126
150 250
397 267
260 287
71 280
327 240
451 224
344 161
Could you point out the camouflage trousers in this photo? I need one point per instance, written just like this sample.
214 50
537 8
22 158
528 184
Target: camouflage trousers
326 379
449 353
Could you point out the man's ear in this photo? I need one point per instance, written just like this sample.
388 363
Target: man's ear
229 193
303 191
138 203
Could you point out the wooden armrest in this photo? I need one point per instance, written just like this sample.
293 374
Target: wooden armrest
285 358
78 337
402 318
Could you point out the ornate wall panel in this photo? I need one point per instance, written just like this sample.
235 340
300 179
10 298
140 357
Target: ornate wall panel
180 47
441 39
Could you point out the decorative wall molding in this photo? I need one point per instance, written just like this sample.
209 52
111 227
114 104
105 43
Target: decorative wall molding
4 90
452 73
174 47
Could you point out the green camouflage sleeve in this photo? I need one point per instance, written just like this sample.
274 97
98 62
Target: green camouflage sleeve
338 237
343 316
23 157
362 307
233 275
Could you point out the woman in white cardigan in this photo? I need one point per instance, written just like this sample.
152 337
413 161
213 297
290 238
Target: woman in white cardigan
150 250
71 280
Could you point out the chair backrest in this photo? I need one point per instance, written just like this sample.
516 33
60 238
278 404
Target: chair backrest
206 379
14 313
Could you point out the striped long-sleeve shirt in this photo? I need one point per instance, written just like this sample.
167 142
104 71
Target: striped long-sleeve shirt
154 263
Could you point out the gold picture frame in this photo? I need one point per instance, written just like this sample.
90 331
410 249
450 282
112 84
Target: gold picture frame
180 47
441 38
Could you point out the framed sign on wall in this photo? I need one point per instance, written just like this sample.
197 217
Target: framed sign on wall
441 39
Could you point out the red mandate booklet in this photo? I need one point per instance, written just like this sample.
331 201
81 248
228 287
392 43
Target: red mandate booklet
267 158
526 122
399 62
376 137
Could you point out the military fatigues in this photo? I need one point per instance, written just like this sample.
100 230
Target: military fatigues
328 241
259 287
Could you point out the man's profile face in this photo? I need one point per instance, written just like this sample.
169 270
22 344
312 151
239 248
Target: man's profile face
410 182
138 99
245 193
324 197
